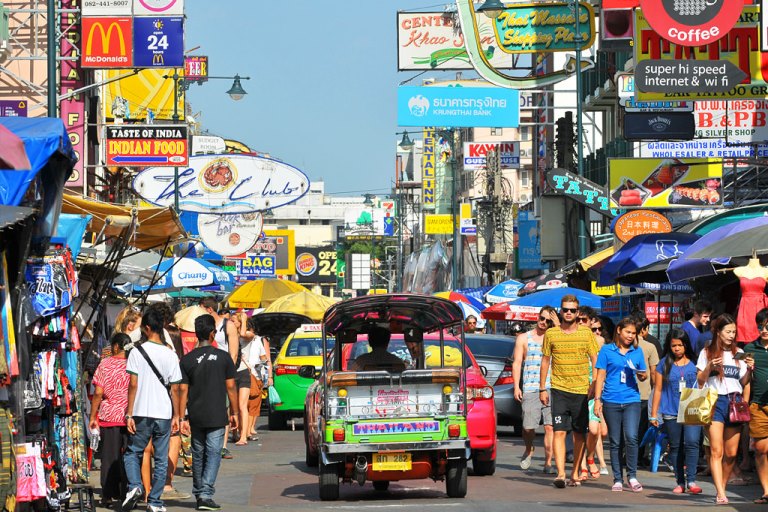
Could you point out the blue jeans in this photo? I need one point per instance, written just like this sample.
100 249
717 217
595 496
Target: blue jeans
159 431
623 419
684 460
206 459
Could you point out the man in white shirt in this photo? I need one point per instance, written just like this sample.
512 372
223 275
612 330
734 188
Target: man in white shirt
153 410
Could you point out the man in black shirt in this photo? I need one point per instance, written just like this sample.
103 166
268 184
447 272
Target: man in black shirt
207 377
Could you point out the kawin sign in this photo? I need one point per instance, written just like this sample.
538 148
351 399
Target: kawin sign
224 184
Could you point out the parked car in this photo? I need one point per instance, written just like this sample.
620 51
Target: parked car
494 353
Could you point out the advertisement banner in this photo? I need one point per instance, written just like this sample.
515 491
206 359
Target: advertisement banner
662 317
363 220
544 27
665 183
702 148
149 144
107 42
740 48
106 8
430 40
158 7
316 264
255 266
441 224
694 23
280 243
195 68
458 106
475 152
71 110
428 175
151 95
640 222
658 126
158 42
14 108
230 235
581 190
529 248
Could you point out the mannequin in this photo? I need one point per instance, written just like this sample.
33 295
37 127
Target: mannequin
752 279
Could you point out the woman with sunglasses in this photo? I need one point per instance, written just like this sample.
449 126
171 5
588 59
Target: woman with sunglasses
598 429
617 399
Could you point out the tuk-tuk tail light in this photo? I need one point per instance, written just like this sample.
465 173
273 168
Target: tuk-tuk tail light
338 435
454 430
342 393
447 389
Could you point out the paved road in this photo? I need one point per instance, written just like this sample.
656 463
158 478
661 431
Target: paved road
270 475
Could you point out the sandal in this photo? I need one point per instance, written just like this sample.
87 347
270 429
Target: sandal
594 475
635 485
721 500
762 500
574 483
559 483
617 487
583 477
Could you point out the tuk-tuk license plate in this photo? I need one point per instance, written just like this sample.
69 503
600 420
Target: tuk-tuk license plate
394 461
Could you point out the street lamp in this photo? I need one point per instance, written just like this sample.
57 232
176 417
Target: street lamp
406 143
491 8
236 92
369 203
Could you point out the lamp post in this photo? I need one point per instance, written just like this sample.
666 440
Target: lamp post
369 203
579 129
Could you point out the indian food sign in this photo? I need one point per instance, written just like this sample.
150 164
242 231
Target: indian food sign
544 27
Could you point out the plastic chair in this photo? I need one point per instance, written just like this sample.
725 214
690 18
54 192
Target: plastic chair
658 437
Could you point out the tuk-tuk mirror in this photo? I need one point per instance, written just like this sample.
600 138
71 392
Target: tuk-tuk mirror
413 335
307 371
346 336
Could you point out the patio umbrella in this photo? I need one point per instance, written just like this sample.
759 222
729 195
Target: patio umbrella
189 293
178 273
642 251
548 281
12 153
719 247
185 319
553 297
311 305
261 293
460 297
504 291
469 309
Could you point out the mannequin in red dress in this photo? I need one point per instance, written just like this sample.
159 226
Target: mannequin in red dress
752 279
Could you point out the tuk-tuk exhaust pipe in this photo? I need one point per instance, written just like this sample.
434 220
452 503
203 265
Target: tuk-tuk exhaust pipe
361 469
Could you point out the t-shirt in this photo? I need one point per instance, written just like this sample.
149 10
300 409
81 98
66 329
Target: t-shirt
571 353
759 389
653 340
253 353
670 389
733 370
206 370
651 360
620 382
152 400
111 376
694 336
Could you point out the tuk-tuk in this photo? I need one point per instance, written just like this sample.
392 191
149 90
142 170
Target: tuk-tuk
403 420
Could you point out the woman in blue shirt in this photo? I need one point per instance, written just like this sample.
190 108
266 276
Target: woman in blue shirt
617 400
676 371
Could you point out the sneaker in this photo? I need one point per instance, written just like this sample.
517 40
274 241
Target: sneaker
603 470
132 497
678 490
173 494
226 454
156 508
207 504
693 488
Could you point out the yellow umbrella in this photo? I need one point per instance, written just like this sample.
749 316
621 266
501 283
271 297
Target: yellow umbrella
185 319
261 293
304 303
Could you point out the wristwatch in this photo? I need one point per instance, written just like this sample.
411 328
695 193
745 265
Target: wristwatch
128 417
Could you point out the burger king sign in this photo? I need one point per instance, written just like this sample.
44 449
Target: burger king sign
306 264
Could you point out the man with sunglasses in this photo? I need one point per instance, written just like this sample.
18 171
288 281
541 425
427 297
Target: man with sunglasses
568 351
528 351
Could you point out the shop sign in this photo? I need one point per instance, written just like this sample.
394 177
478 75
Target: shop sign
107 42
158 42
658 125
441 224
693 22
71 78
257 266
195 68
529 245
106 8
701 148
665 183
604 291
625 84
158 7
717 76
662 317
738 120
763 27
581 190
544 27
230 234
428 175
430 40
458 106
13 108
316 264
208 145
152 95
224 184
142 145
739 48
475 153
640 222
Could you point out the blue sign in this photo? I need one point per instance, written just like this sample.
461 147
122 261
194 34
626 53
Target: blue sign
458 106
257 265
389 226
158 42
529 247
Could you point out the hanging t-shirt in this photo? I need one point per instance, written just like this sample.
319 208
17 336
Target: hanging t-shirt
729 380
679 377
206 371
152 400
114 380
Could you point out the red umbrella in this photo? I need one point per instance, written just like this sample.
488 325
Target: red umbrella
508 311
12 153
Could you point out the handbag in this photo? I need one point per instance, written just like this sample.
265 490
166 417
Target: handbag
738 409
697 406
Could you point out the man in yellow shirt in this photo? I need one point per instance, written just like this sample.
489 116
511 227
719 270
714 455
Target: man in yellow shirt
568 350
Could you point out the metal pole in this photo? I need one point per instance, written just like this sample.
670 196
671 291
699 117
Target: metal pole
176 120
579 128
373 253
455 213
53 50
399 255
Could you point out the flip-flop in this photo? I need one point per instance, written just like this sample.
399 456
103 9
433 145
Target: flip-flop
559 483
241 444
762 500
574 483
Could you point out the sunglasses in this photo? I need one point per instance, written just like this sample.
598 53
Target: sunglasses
569 310
763 327
597 329
543 319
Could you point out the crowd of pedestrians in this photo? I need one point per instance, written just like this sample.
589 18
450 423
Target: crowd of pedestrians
596 380
154 404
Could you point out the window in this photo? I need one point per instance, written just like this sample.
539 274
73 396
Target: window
497 131
525 178
525 133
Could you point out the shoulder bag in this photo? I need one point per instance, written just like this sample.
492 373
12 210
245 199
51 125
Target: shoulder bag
154 370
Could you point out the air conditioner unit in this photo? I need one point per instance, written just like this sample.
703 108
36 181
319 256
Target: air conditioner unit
617 28
524 198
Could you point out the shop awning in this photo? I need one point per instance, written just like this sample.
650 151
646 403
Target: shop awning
156 226
596 258
12 215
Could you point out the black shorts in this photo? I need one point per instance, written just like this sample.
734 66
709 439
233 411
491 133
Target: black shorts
569 411
243 379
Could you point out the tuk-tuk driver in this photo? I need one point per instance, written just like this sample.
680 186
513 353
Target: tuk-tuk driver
378 358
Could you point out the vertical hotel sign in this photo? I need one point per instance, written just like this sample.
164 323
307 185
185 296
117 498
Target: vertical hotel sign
428 187
72 110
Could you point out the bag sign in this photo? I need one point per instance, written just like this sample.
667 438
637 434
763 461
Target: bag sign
692 22
256 265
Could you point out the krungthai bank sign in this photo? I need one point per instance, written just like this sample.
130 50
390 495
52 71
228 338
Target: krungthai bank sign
107 42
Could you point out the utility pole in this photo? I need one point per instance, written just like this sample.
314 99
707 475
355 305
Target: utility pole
491 162
579 129
457 246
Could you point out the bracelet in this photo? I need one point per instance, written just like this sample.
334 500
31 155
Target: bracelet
653 418
542 391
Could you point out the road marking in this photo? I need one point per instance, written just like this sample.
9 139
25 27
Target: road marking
399 505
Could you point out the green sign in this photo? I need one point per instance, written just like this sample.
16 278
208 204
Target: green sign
528 28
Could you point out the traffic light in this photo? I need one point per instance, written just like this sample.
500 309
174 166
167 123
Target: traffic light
565 139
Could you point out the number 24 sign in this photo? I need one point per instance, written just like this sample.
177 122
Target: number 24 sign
158 42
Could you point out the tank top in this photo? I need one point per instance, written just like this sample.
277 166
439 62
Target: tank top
532 367
221 335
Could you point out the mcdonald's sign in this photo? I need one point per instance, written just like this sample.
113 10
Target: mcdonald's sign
107 42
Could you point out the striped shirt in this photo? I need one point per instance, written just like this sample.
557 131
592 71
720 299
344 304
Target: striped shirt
532 368
571 355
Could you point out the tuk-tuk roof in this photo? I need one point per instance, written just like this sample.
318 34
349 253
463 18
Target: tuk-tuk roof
424 312
277 324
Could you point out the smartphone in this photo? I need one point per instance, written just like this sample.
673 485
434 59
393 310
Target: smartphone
740 356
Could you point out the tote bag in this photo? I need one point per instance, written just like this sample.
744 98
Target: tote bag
696 406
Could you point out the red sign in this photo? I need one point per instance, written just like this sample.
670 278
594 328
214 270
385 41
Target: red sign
640 222
663 312
107 42
692 22
196 68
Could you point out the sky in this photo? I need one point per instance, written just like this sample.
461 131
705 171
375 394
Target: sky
323 89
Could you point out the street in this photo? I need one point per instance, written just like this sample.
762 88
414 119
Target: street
270 474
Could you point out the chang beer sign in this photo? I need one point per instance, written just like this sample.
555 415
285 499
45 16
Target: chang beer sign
544 27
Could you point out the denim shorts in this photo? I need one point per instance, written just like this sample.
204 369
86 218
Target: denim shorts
721 414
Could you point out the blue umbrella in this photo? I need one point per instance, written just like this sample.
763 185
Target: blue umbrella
552 298
642 251
697 261
504 292
178 273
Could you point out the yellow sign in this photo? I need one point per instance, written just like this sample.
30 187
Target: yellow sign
137 95
466 211
605 291
438 224
428 185
285 252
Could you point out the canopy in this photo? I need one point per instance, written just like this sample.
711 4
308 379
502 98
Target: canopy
156 226
72 227
189 293
553 297
460 297
179 273
304 303
277 324
557 279
597 258
642 251
503 291
262 292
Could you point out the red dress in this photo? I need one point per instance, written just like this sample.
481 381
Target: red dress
753 299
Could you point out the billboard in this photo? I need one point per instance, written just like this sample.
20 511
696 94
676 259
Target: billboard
256 266
72 109
107 42
364 220
440 224
148 144
14 108
665 183
158 7
544 27
316 264
230 235
158 42
428 175
475 152
529 247
107 8
145 96
458 106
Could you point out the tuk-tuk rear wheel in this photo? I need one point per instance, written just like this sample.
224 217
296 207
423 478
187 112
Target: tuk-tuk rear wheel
456 478
381 485
329 482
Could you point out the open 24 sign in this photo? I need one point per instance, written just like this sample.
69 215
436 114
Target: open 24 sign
158 42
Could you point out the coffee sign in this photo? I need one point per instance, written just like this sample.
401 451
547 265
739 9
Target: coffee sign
692 22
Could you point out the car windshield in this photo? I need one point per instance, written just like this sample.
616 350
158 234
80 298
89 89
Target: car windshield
491 346
399 348
304 347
